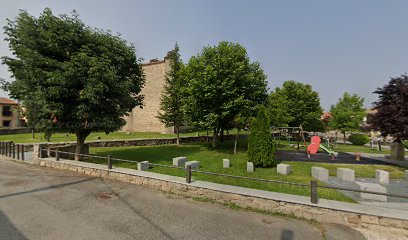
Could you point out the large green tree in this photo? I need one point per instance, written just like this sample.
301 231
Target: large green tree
294 104
347 114
86 79
222 82
171 113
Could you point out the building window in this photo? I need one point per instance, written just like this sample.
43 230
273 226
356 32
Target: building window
6 111
6 123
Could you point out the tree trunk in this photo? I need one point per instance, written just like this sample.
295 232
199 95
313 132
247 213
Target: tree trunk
397 150
222 135
33 133
178 134
344 135
215 135
236 141
81 136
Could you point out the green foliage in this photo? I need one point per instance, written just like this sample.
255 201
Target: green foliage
295 104
71 77
406 144
358 139
348 113
222 82
171 102
391 117
261 149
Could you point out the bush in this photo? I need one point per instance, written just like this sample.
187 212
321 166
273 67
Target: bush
359 139
261 150
406 144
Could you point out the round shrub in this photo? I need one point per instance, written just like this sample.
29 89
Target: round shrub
359 139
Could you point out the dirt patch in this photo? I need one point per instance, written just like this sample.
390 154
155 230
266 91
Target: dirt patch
105 195
14 183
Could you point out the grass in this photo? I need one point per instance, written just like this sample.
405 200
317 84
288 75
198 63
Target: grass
66 137
211 160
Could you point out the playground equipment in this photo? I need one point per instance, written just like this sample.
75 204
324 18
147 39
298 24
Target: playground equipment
295 134
315 145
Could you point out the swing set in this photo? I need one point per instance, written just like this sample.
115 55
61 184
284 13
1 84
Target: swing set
296 134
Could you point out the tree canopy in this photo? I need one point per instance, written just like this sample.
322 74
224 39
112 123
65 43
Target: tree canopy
171 111
348 113
83 79
294 104
391 117
221 82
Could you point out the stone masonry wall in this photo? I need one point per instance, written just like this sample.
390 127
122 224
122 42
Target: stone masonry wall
371 226
144 119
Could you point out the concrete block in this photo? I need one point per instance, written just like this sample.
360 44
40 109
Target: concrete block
382 177
225 163
374 187
179 161
194 164
143 166
250 167
284 169
320 173
346 174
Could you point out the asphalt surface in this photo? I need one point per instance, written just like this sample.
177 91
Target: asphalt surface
41 203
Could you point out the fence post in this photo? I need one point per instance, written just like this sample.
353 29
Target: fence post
22 152
56 155
14 150
18 151
313 192
109 162
1 147
188 174
6 148
10 148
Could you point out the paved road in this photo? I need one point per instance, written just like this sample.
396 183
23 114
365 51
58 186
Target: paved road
40 203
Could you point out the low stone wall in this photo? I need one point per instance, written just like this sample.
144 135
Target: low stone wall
133 142
369 225
6 131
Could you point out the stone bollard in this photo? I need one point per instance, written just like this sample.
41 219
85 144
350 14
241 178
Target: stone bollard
143 166
179 161
283 169
193 164
346 174
382 177
225 163
250 167
321 174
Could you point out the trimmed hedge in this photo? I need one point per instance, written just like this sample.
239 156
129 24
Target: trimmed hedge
261 150
359 139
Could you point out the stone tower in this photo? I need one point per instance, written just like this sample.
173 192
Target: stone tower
145 119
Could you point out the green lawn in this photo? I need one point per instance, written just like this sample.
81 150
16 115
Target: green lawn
211 160
65 137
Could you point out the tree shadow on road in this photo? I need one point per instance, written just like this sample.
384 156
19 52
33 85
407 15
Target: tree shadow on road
8 230
45 188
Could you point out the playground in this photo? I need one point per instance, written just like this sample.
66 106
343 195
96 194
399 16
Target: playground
295 145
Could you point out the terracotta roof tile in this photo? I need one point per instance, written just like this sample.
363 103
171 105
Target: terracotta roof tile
7 101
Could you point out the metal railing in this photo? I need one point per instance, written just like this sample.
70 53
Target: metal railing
313 185
12 150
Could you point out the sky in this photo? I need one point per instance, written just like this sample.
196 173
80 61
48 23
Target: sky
335 46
